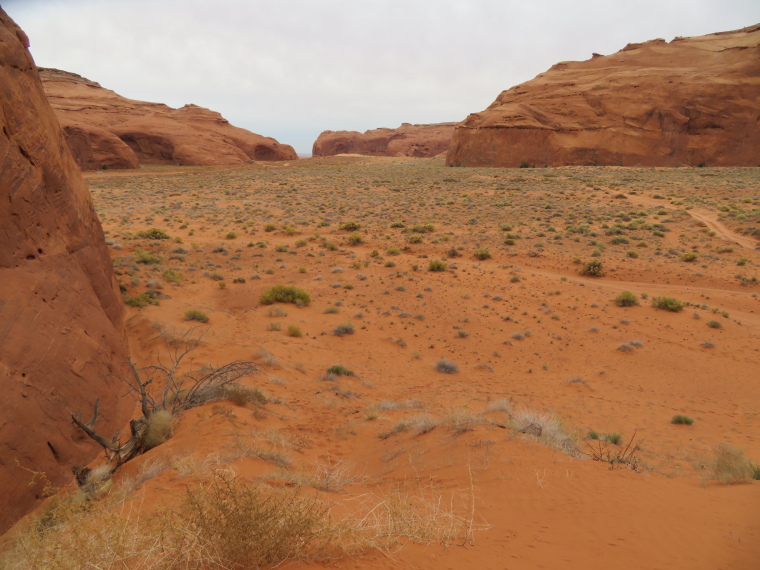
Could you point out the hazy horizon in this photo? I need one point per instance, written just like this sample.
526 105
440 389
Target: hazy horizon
291 72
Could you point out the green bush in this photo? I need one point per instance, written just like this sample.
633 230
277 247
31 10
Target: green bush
667 304
230 235
482 254
678 419
140 300
626 299
172 276
436 265
142 256
691 256
285 294
294 331
340 370
196 315
350 226
355 239
613 438
153 233
714 324
592 268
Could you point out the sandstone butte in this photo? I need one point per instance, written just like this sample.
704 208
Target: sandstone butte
61 314
105 130
406 140
684 103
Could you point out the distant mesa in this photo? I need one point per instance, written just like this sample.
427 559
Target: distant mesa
62 335
688 102
105 130
406 140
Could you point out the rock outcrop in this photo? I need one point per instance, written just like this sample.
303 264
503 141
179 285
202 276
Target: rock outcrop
105 130
407 140
687 102
61 314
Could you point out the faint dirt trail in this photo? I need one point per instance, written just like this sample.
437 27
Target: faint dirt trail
710 219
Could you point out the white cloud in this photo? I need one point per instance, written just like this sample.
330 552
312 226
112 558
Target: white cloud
292 69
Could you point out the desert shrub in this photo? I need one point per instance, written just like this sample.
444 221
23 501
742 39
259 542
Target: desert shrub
344 329
547 428
415 239
691 256
285 294
730 466
142 300
160 425
153 233
613 438
355 239
592 268
242 395
350 226
436 265
667 304
237 525
230 235
509 241
274 326
270 227
393 251
482 254
196 315
145 257
593 434
714 324
340 370
446 366
294 331
679 419
172 276
626 299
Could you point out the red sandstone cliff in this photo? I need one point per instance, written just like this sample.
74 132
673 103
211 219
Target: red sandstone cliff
407 140
690 101
104 129
61 314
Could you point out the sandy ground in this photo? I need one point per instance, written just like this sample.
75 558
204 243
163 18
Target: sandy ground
527 332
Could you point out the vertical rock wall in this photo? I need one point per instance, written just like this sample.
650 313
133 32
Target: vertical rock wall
61 315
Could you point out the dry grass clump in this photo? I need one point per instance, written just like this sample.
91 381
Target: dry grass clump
547 429
730 466
160 426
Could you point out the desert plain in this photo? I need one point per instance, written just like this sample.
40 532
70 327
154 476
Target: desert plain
462 389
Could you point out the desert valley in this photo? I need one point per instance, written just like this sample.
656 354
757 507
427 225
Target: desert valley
528 339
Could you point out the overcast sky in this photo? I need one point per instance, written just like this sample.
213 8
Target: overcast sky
291 69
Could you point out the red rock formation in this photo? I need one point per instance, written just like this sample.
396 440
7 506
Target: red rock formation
104 129
61 314
690 101
407 140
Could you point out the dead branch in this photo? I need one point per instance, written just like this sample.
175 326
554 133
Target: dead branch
176 393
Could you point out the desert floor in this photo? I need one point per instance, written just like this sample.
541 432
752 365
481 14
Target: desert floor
455 457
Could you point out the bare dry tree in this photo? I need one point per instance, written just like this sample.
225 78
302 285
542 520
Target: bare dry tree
160 388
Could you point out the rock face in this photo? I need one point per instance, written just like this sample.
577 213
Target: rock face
690 101
61 315
407 140
105 130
